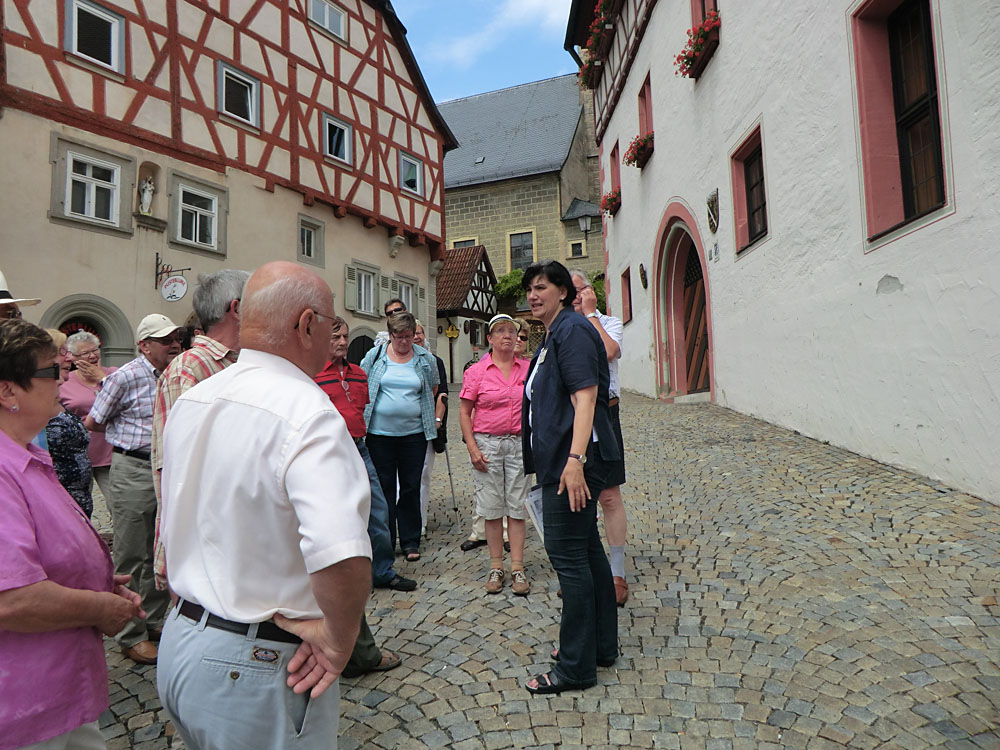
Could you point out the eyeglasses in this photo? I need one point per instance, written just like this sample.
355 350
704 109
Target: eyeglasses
52 372
396 310
318 315
87 353
580 289
402 336
10 312
166 340
347 390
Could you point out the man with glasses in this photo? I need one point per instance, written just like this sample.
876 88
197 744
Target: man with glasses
10 307
123 411
217 305
610 329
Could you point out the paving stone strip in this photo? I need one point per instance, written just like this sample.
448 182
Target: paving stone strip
784 593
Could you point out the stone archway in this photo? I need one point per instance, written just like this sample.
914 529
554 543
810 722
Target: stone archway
683 321
103 317
362 339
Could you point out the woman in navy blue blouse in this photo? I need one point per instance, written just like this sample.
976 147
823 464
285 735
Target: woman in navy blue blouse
567 440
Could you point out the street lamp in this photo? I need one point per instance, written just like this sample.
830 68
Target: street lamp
584 222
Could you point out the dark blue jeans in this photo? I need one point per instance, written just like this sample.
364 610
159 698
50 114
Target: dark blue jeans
589 628
383 554
402 457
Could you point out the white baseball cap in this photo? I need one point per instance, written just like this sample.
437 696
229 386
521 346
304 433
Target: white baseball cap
154 326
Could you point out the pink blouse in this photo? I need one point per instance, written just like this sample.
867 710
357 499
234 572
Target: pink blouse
497 401
78 397
55 681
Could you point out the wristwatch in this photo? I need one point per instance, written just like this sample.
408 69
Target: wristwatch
592 315
578 457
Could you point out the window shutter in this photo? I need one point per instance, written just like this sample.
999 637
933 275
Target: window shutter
384 292
350 287
422 307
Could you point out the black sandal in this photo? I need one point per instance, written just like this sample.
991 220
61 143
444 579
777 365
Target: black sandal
412 555
552 683
600 663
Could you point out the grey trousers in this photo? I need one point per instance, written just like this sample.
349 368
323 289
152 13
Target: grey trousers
84 737
226 691
133 517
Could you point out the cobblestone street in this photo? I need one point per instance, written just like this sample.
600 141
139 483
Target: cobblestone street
784 593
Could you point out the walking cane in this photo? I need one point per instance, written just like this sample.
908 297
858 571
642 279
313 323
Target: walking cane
451 481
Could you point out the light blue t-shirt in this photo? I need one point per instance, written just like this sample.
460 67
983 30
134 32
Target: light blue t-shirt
397 407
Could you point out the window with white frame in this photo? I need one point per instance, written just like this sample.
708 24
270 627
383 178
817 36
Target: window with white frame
198 212
310 248
329 17
238 94
338 139
406 290
366 292
411 174
95 34
92 188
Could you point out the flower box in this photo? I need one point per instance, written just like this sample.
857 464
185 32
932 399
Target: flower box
604 43
702 42
611 201
639 150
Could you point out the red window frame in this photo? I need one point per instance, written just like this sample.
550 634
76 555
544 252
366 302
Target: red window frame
748 149
626 295
645 107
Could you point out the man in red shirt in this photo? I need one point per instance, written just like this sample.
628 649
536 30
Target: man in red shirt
347 387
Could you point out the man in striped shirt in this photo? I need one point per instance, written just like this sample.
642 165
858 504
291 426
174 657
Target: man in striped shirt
123 410
217 306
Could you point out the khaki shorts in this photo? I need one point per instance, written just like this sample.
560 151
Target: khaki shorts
503 487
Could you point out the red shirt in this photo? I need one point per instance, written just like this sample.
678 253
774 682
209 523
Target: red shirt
350 400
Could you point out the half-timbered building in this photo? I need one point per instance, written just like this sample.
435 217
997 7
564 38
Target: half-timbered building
466 302
801 201
147 141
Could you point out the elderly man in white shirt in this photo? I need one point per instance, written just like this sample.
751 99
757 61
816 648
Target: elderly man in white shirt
265 528
610 329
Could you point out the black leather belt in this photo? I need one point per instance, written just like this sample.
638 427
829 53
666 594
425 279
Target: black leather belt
266 630
142 455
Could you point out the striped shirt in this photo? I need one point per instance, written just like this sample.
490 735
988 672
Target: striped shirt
125 405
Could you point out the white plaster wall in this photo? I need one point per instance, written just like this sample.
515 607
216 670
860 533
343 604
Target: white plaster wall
804 335
41 258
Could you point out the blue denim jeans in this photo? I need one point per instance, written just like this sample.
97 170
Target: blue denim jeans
588 631
378 526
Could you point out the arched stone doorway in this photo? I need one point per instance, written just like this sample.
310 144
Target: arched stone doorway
362 339
683 320
99 316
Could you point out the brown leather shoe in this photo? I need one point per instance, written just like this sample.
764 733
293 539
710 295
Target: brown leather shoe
621 590
143 652
154 634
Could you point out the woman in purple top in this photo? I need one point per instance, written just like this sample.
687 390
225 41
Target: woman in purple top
58 593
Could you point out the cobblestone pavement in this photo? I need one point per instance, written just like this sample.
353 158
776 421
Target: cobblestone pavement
785 593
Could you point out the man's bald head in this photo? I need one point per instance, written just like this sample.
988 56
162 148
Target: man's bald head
287 311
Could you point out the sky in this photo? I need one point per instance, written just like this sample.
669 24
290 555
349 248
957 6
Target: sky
467 47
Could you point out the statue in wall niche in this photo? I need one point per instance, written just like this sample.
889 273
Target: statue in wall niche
146 189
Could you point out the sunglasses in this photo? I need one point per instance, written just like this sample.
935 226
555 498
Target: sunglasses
397 310
9 312
523 338
52 372
347 390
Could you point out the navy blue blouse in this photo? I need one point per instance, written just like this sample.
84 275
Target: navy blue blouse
572 358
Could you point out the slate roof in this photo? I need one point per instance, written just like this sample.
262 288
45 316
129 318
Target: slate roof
456 275
515 132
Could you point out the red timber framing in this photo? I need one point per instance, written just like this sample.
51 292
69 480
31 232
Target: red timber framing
164 98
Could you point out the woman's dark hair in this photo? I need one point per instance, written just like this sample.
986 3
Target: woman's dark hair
22 345
556 274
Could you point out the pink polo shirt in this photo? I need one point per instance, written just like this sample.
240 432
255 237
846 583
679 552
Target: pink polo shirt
50 682
497 401
78 397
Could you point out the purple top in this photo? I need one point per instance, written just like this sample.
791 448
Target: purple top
51 682
78 397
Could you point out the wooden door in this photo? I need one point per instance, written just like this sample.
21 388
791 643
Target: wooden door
695 325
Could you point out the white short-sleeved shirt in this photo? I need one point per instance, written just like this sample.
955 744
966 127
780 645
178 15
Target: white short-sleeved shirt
262 485
614 328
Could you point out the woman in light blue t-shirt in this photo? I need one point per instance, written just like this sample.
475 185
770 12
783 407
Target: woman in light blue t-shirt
402 384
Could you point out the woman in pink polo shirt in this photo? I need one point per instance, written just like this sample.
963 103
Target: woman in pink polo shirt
58 591
491 427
